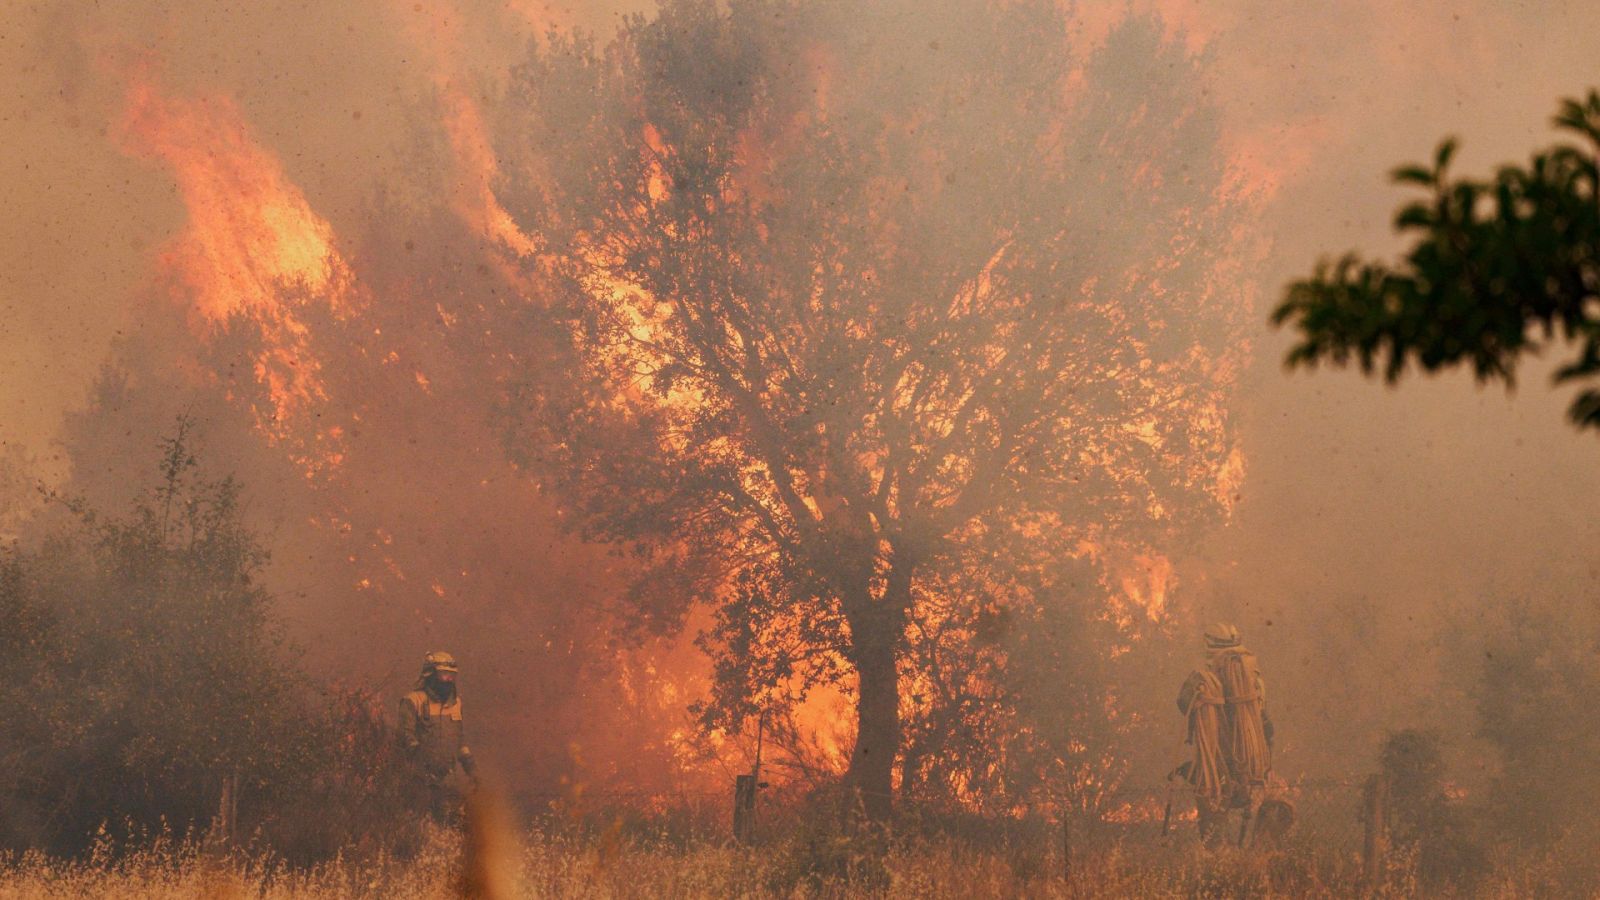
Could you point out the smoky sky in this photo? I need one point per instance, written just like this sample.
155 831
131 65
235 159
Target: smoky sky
1371 523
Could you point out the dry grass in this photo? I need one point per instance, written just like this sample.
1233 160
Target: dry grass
492 861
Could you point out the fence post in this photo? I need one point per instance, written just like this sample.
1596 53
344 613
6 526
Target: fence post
1375 817
744 808
224 825
1066 844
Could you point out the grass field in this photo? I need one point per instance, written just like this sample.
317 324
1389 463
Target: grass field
494 862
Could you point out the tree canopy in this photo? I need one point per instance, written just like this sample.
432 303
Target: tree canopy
1498 268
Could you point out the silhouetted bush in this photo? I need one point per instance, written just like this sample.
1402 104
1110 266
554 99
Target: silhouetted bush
1424 820
144 671
1535 702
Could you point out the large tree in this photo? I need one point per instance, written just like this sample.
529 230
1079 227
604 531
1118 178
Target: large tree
856 297
1498 268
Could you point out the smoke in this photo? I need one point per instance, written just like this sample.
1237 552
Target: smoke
273 295
1383 536
342 95
1375 534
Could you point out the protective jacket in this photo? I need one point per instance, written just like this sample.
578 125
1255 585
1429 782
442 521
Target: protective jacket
431 730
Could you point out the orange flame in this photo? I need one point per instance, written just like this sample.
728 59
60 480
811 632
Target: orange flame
250 230
1146 582
436 33
477 169
1140 578
251 241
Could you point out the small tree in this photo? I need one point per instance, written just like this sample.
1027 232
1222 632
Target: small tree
149 665
1423 817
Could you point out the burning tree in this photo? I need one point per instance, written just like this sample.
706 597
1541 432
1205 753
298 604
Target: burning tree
873 315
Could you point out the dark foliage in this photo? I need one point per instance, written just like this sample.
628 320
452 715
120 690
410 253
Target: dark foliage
1498 268
142 654
1423 817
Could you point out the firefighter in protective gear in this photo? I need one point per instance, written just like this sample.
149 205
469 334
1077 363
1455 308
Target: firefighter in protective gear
432 737
1224 702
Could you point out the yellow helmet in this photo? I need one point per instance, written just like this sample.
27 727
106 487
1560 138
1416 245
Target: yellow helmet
1221 636
438 661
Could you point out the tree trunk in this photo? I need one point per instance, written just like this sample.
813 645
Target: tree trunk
870 781
876 633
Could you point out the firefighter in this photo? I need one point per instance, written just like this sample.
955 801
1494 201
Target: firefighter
1224 702
431 736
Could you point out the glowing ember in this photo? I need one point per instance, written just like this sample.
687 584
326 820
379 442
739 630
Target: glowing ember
1147 581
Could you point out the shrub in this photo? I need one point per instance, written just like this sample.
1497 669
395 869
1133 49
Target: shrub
1424 820
142 647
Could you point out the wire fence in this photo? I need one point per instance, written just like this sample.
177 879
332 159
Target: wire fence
1327 815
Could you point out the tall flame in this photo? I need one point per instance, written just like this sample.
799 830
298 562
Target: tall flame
476 171
251 246
436 33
